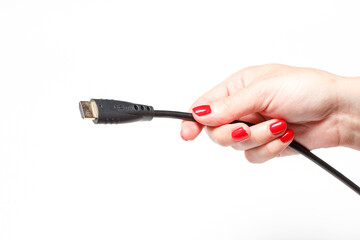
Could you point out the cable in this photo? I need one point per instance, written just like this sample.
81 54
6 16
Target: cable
112 111
294 145
174 114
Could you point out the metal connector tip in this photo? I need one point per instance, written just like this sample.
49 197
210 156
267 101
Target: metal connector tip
88 110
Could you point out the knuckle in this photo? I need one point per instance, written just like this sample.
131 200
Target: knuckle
221 141
238 147
217 137
258 139
250 157
271 150
246 75
247 70
228 105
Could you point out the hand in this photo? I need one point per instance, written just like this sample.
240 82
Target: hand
316 106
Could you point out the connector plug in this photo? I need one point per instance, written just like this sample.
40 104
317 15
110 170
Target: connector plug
88 110
112 111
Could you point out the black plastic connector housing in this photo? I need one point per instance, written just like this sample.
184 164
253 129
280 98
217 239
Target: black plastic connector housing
112 111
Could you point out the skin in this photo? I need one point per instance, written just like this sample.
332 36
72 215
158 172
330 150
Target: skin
322 109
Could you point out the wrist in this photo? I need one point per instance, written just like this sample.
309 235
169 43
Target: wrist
348 111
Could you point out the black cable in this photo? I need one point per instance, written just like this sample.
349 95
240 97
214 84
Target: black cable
306 153
174 114
294 145
112 111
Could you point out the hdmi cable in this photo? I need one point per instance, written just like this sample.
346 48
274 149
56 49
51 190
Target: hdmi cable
112 111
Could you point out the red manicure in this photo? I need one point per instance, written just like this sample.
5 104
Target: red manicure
239 134
202 110
289 134
278 127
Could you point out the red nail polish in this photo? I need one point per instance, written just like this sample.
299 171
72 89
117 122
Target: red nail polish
239 134
278 127
289 134
202 110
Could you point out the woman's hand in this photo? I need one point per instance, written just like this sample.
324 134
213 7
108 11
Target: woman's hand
315 105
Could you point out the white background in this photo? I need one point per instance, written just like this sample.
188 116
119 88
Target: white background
65 178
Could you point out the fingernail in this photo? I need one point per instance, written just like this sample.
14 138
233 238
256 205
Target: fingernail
289 134
278 127
239 134
202 110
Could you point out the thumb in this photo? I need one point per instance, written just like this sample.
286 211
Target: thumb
251 99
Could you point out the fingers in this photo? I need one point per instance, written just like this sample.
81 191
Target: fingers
228 135
232 99
250 99
270 150
242 137
190 130
261 142
262 133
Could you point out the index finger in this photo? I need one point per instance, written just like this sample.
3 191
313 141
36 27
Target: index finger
190 130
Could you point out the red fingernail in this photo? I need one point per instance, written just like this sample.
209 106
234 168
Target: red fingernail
239 134
202 110
278 127
289 134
